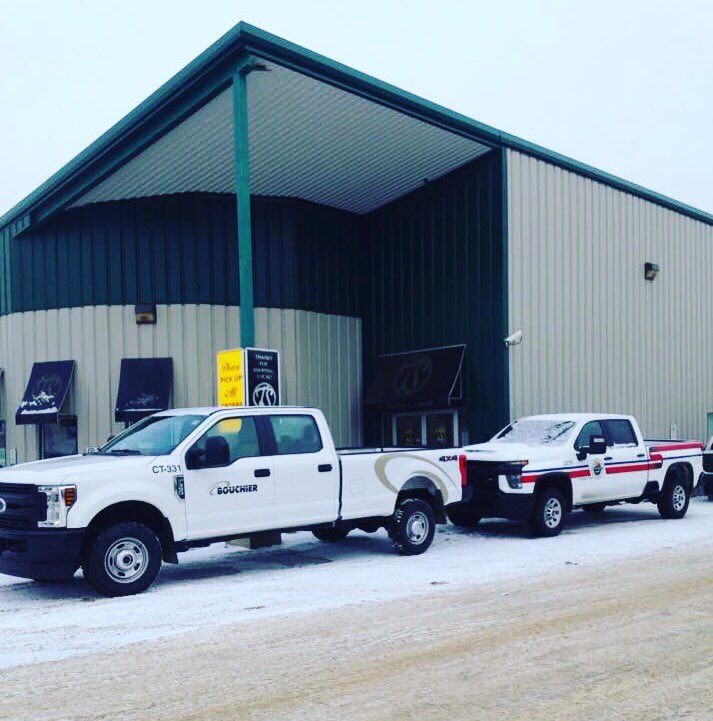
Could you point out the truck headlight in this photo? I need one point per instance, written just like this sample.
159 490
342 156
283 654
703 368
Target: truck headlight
59 500
514 480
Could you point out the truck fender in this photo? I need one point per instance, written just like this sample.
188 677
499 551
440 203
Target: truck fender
406 466
559 480
424 488
681 467
142 512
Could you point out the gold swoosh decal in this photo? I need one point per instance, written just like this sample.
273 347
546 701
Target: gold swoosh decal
382 462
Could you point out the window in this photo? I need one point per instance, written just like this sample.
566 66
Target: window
295 434
225 442
593 428
60 438
408 431
153 436
621 432
439 430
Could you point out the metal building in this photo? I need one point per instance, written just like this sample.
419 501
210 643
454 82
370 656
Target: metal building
384 245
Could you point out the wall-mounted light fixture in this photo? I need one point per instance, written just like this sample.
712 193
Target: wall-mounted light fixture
651 270
145 313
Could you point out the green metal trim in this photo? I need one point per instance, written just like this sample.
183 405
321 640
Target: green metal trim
242 195
212 70
505 288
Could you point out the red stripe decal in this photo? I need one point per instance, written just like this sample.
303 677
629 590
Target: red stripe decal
655 463
682 446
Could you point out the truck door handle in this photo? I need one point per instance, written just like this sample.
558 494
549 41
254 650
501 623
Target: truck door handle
641 455
324 467
607 458
261 472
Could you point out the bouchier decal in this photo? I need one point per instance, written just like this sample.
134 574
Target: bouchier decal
225 489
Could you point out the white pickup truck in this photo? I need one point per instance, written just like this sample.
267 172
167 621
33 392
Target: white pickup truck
190 477
540 467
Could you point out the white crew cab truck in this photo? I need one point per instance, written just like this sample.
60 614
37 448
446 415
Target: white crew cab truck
540 467
190 477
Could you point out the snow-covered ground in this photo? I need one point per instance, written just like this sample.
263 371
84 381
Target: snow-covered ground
221 585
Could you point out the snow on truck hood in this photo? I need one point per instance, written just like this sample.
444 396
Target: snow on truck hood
56 470
500 451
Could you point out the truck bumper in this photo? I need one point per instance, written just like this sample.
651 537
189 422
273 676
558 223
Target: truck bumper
513 506
48 554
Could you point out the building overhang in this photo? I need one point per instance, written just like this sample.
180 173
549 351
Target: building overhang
375 141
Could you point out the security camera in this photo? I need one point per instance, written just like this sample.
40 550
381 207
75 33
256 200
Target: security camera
513 338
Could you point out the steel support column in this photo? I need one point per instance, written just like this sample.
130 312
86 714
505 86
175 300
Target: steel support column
242 194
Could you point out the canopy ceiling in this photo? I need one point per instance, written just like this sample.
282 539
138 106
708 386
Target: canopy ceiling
308 140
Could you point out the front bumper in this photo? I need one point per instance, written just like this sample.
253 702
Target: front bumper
497 504
48 554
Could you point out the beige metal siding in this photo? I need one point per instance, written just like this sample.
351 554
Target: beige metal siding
320 360
597 336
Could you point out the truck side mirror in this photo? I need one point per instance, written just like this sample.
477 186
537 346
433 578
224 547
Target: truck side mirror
194 457
597 445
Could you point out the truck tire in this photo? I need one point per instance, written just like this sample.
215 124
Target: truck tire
674 496
331 534
412 527
594 507
549 511
463 515
122 559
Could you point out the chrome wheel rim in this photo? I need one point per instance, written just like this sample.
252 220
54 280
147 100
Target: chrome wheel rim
417 528
678 498
552 513
126 560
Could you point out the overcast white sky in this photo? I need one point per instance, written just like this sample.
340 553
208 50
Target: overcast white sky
624 86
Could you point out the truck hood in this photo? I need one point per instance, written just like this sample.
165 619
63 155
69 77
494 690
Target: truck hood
514 452
57 470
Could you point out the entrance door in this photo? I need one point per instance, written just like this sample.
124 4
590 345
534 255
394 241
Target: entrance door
433 429
229 481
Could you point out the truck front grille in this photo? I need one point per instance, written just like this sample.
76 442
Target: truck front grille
483 476
23 505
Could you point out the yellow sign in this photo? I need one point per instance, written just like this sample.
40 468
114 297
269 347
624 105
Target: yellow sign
231 377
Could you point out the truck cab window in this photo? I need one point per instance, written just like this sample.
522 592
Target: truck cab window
225 442
296 434
621 432
593 428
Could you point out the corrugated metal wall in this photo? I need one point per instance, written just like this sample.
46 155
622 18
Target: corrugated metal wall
597 336
435 277
183 249
320 360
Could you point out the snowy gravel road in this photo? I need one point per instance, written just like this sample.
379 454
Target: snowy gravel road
220 586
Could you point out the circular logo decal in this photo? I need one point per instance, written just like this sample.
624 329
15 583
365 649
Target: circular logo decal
3 505
264 395
413 375
597 467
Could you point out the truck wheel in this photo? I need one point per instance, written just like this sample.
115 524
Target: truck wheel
331 534
463 515
412 527
674 497
548 514
122 559
594 507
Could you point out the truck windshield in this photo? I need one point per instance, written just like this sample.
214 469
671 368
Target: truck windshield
152 436
536 432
